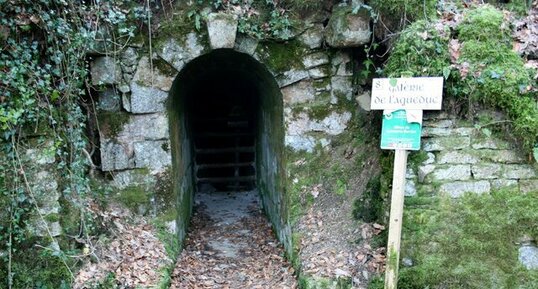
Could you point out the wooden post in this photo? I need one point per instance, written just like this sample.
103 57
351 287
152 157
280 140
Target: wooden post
396 215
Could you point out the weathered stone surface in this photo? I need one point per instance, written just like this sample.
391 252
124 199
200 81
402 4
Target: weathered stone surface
486 171
36 227
155 79
333 124
410 188
443 131
300 142
503 184
342 65
342 86
315 59
528 257
451 173
457 157
129 59
246 44
299 92
154 155
500 156
519 171
430 159
41 156
291 76
146 99
45 189
115 156
439 123
489 143
424 171
457 189
346 29
178 55
109 100
222 29
446 143
527 186
319 72
144 127
124 179
312 37
105 70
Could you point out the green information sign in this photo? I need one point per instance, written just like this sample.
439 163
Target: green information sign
397 133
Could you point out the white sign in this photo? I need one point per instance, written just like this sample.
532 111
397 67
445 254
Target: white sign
419 93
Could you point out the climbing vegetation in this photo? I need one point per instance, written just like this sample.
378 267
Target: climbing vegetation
478 63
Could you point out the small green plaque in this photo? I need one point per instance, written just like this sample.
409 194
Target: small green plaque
397 133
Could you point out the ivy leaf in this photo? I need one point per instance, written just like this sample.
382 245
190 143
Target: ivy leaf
486 132
446 72
55 95
393 81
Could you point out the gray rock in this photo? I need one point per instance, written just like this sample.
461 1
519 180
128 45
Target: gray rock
528 257
517 172
144 76
154 155
342 86
41 156
171 227
442 131
301 142
115 156
424 171
299 92
342 65
45 190
489 143
503 184
319 72
109 100
315 59
364 100
334 124
527 186
147 99
446 143
500 156
407 262
105 70
178 55
457 157
129 57
430 160
126 101
222 29
40 228
410 188
144 127
457 189
486 171
124 179
246 44
346 29
312 37
451 173
291 76
442 123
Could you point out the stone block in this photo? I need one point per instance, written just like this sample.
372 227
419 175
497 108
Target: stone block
527 186
124 179
519 171
528 257
315 59
291 76
109 100
154 155
41 156
342 86
146 99
486 171
424 171
410 188
503 184
105 70
144 76
451 173
299 92
313 36
457 157
457 189
346 29
439 123
319 72
443 131
364 100
488 143
177 55
45 190
500 156
129 58
246 44
342 65
115 156
222 30
430 159
144 127
446 143
300 142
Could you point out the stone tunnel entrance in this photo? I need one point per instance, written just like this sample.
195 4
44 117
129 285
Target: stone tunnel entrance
227 139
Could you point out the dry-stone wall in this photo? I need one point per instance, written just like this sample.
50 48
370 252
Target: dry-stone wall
461 158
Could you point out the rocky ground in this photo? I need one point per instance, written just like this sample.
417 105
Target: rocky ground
231 245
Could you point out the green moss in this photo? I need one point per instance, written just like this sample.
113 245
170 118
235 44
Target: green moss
471 242
369 206
164 67
483 24
133 197
52 218
280 57
111 123
319 111
410 10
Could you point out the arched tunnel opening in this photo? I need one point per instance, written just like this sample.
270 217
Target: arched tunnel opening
227 139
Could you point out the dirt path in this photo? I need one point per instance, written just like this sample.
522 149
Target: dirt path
231 245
